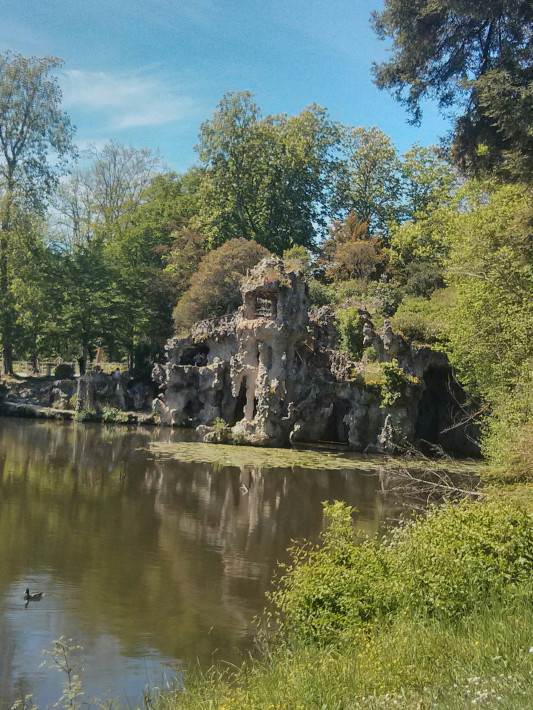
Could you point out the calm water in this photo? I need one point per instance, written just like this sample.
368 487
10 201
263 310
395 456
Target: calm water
147 563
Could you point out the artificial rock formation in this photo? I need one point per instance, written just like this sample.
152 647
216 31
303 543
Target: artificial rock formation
273 373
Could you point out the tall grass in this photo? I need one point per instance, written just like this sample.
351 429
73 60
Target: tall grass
484 660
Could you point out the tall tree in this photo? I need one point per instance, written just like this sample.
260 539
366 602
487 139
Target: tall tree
477 56
266 179
35 143
370 185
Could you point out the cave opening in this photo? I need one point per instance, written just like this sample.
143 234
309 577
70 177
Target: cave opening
196 355
240 403
442 408
336 430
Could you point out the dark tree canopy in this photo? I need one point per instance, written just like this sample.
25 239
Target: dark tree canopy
469 54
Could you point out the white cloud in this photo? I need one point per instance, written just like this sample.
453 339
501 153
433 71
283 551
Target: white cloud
124 101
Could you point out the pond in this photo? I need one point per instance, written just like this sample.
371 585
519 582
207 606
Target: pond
152 551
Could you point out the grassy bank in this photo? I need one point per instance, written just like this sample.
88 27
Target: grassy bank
438 615
483 660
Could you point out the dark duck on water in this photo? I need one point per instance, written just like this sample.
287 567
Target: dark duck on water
35 597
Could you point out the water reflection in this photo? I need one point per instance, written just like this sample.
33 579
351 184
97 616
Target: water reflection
146 562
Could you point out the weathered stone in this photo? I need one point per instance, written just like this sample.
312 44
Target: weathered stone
276 377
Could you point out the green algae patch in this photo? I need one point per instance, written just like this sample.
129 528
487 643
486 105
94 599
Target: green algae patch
220 455
227 455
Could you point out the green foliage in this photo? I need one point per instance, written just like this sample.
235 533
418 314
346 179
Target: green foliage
490 324
490 265
64 371
421 279
350 252
370 179
60 658
265 179
221 432
350 328
508 443
214 289
424 320
87 415
410 664
370 354
384 297
450 563
393 383
297 258
35 144
476 57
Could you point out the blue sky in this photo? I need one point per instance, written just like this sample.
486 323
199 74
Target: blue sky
148 72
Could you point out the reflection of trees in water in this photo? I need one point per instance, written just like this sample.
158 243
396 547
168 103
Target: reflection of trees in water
151 545
249 516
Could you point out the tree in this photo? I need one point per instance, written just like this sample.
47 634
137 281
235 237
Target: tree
350 252
370 185
477 56
214 288
266 179
118 178
490 325
35 143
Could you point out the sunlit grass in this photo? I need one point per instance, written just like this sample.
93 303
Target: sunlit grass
485 660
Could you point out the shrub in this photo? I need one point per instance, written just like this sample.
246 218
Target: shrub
87 415
508 438
319 293
455 560
370 354
423 279
393 383
221 433
385 297
423 320
350 328
64 372
214 288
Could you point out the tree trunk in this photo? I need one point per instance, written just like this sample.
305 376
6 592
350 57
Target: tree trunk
7 357
7 317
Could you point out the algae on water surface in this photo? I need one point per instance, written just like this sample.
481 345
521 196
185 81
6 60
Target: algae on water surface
226 455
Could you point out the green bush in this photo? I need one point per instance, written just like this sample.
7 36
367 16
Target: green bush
423 279
221 432
350 327
64 372
214 287
508 438
319 293
384 297
370 354
456 560
422 320
393 383
87 415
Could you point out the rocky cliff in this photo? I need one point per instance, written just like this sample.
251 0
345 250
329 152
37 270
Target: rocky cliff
274 374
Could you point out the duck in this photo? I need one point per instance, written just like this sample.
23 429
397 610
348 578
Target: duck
35 597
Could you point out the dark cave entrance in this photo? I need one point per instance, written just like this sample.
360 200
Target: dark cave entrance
443 405
336 430
240 403
196 355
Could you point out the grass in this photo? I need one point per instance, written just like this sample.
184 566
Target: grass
486 660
